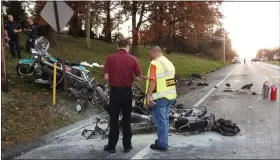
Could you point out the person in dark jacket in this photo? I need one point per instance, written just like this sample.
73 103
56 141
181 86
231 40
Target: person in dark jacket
12 30
31 31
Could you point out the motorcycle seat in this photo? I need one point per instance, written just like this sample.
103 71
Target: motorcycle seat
74 63
68 63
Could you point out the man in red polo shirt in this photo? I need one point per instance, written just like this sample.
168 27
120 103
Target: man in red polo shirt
120 69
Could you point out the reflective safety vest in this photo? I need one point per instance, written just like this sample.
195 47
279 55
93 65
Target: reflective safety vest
165 83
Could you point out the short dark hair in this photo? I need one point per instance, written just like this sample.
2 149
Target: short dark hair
123 43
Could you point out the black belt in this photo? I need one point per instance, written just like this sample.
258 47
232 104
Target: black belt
121 88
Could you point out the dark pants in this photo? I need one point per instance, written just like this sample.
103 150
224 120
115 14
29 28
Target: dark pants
29 43
15 47
120 100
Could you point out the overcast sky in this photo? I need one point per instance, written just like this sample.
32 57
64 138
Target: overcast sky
252 25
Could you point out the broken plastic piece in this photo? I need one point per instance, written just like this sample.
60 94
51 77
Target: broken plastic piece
202 84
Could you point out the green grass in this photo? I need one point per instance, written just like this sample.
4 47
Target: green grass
27 111
274 62
185 64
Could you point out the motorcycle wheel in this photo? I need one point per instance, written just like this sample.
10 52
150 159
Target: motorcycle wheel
101 98
24 70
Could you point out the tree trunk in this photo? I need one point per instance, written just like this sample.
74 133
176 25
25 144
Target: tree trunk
160 29
88 26
134 49
169 40
108 27
173 38
74 23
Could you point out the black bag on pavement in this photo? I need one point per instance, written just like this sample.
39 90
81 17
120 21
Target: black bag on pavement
226 127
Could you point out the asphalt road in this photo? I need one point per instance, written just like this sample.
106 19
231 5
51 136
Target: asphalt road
257 118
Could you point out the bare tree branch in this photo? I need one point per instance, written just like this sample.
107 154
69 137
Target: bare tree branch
141 15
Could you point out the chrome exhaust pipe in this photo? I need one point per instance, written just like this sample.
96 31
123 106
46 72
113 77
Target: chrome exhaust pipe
41 81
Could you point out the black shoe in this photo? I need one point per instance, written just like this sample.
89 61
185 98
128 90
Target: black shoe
126 150
157 147
156 141
106 148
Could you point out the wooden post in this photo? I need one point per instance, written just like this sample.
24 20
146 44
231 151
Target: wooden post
4 80
59 43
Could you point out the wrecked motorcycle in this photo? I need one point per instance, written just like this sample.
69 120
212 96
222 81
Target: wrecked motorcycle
41 68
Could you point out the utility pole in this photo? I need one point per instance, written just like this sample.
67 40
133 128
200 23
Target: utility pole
224 46
59 42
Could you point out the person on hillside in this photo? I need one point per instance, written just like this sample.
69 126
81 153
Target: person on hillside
160 88
31 31
12 30
119 70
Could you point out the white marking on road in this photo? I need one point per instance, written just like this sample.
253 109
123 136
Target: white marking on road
203 98
142 153
266 78
145 150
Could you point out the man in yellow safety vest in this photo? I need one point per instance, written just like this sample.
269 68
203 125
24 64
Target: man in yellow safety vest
160 88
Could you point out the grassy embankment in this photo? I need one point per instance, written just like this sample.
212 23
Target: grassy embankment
274 62
27 111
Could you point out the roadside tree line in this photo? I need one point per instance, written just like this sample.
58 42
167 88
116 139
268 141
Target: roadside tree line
270 53
177 26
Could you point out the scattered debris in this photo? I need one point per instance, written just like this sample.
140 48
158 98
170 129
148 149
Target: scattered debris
233 152
254 93
192 88
247 86
198 157
202 84
216 86
190 83
226 127
251 107
195 75
228 85
180 106
228 90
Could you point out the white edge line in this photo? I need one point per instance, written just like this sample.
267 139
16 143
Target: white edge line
266 78
203 98
142 153
145 150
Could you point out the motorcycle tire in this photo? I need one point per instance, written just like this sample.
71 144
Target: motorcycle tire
22 70
101 97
